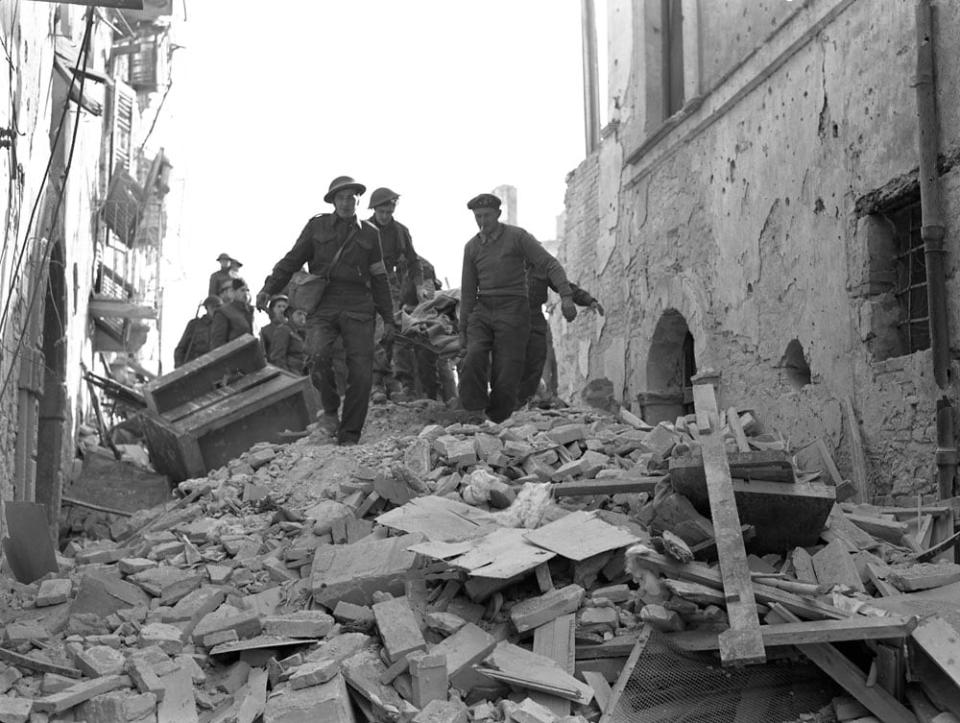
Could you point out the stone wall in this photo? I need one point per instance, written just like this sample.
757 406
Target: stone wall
746 216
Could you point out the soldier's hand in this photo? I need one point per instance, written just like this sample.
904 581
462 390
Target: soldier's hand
389 332
568 308
597 307
263 298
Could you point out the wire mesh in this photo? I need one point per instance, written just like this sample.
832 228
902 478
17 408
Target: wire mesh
672 686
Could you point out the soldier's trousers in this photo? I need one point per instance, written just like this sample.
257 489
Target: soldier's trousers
536 356
355 328
497 332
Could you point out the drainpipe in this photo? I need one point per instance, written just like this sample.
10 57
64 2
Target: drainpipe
933 232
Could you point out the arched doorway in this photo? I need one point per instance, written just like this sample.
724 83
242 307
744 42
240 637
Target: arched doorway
54 412
671 362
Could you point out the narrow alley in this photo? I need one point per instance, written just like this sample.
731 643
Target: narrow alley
619 385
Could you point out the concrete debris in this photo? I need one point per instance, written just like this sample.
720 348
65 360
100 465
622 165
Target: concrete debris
469 573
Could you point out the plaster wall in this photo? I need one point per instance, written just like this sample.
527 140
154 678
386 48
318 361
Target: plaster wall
27 31
743 217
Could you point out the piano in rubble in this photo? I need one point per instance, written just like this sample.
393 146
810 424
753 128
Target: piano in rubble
214 408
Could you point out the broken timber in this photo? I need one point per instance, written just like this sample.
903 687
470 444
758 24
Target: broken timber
743 642
878 701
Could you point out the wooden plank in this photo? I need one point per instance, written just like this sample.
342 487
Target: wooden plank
601 688
883 705
813 631
743 643
834 564
439 519
554 640
580 535
858 458
816 457
203 374
878 577
625 673
733 422
940 640
706 575
502 554
838 527
606 486
888 530
517 666
245 382
119 309
41 666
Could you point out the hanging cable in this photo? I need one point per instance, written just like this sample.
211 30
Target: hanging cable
83 54
48 251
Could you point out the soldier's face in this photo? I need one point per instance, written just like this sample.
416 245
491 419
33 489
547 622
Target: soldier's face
279 307
486 218
345 203
384 212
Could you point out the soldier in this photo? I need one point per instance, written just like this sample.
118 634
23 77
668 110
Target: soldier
289 343
346 253
495 311
196 336
276 308
234 317
229 270
540 341
393 368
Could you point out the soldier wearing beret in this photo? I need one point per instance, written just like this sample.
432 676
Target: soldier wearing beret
393 370
495 308
346 252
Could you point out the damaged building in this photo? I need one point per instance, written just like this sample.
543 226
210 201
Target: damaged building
85 219
752 204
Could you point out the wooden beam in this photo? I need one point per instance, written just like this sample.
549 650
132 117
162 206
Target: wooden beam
814 631
625 674
742 643
606 486
706 575
119 309
858 459
878 701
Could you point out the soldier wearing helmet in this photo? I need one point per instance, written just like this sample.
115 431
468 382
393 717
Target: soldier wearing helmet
344 253
394 371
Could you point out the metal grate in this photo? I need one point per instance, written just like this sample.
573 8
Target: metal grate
672 686
911 288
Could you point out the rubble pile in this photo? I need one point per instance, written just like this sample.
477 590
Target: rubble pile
479 573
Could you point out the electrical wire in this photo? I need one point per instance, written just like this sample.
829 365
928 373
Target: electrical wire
84 52
48 251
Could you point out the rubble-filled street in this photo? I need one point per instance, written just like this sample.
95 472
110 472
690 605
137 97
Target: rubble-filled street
503 362
447 572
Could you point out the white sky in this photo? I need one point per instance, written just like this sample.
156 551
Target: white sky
437 99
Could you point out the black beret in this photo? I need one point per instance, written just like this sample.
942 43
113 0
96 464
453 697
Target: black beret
484 200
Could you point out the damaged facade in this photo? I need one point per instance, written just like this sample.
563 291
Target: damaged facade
751 208
79 284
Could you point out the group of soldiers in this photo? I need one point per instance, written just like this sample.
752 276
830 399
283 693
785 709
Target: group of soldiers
362 272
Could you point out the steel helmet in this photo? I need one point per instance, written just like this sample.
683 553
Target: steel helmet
382 195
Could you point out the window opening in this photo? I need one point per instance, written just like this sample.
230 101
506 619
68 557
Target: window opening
672 21
911 279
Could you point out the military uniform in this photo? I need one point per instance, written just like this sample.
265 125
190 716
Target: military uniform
230 322
357 288
539 341
403 267
495 315
288 349
195 341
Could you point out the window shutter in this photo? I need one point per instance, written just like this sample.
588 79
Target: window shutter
121 135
